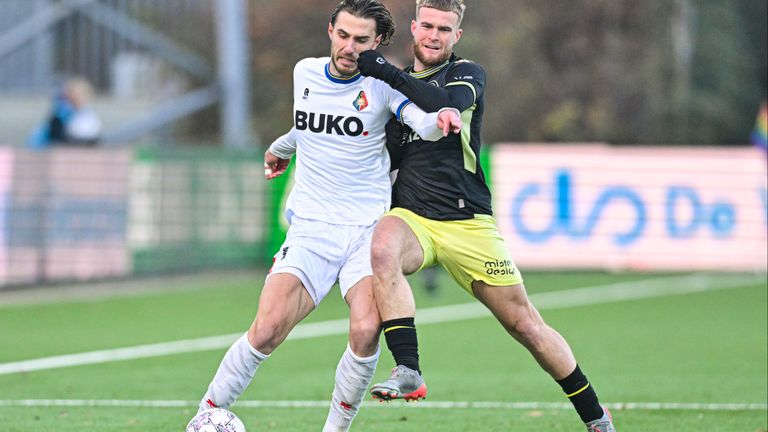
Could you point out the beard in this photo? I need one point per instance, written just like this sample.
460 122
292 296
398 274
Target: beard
429 62
341 69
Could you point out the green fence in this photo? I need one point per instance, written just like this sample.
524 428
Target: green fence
71 214
197 208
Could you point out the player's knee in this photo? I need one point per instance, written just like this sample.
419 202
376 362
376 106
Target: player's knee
364 336
530 331
384 258
267 334
366 329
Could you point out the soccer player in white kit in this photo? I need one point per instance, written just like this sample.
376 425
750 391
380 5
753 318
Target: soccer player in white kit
341 189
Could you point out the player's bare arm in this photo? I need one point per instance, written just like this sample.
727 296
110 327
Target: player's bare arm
278 155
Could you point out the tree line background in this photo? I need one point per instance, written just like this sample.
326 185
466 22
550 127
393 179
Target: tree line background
662 72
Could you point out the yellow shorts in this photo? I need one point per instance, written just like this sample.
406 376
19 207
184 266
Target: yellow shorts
469 250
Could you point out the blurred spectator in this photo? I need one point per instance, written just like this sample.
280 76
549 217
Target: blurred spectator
760 133
430 275
72 121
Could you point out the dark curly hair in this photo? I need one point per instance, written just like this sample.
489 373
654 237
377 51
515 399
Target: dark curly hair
369 9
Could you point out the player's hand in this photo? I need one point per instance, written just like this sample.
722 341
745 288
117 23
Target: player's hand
449 120
274 166
372 63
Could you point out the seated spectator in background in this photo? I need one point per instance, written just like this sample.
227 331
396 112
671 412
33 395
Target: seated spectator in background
760 133
72 121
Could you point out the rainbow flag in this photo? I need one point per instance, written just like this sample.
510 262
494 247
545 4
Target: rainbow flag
761 128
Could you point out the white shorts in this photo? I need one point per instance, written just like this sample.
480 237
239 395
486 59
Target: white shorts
319 253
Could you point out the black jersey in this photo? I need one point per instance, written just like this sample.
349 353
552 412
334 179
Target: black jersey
443 180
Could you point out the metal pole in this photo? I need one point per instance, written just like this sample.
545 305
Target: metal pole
42 74
41 20
231 22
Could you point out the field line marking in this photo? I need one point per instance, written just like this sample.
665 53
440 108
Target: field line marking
494 405
621 291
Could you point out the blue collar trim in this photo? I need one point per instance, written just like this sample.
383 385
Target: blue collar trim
338 79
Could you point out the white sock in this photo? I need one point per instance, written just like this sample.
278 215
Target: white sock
353 376
234 374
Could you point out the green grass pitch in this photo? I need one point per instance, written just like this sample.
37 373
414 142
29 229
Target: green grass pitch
681 351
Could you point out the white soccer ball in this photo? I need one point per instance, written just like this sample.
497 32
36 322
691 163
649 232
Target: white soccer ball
215 420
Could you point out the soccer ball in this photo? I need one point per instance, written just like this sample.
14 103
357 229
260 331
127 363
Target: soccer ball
215 420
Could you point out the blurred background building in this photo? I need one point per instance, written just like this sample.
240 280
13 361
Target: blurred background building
189 92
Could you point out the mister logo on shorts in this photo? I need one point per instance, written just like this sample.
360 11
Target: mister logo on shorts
499 267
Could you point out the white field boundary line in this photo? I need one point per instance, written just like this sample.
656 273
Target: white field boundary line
622 291
634 406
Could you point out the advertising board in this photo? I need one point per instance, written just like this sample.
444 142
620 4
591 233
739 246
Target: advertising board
640 208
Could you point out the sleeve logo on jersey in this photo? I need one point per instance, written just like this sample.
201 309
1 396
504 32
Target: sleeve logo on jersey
329 124
361 101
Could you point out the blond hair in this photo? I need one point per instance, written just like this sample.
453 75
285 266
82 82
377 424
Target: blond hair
455 6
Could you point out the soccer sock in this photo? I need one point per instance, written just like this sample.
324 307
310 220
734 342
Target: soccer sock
234 374
353 375
582 395
402 342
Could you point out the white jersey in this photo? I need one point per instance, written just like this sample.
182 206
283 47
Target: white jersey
342 165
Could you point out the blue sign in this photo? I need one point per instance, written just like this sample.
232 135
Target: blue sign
719 217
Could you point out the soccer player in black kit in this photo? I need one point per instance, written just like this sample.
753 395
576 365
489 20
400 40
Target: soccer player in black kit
441 213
